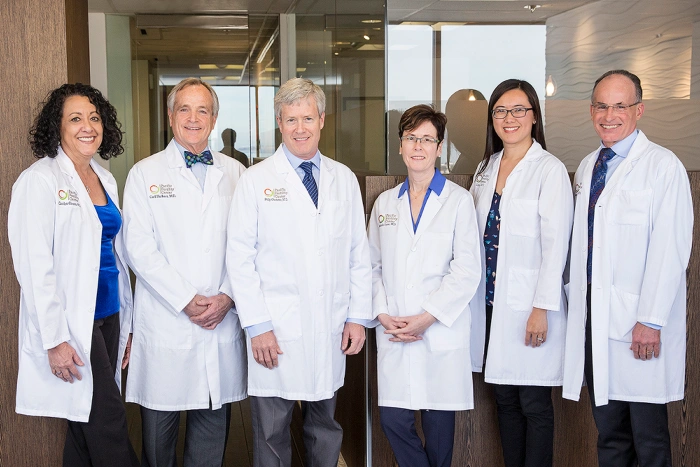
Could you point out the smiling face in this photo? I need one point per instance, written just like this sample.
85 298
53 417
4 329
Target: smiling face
81 128
514 132
300 125
420 157
191 118
612 126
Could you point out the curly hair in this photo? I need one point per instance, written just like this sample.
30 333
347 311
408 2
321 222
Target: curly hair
45 134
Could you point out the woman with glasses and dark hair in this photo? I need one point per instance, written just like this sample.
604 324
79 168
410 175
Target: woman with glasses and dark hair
64 228
524 207
426 266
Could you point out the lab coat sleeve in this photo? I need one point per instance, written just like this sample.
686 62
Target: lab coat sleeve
144 258
379 301
669 244
360 264
225 286
556 210
31 223
462 279
241 252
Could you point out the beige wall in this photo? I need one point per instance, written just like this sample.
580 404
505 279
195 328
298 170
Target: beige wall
650 38
34 40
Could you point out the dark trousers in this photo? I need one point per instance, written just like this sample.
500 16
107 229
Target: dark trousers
103 440
629 433
526 424
439 431
205 437
272 442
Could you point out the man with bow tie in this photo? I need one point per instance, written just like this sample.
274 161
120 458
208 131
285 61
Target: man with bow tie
188 351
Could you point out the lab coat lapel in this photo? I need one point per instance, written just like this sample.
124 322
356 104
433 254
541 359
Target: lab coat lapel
284 168
326 181
68 169
211 181
638 148
432 207
404 209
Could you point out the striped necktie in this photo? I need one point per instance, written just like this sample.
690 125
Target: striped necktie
309 182
600 170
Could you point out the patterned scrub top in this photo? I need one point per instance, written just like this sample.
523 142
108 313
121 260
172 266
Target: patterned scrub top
491 231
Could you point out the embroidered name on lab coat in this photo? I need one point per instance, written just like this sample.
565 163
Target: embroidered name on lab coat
68 198
164 190
385 220
275 194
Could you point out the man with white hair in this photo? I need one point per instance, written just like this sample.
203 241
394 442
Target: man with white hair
187 351
299 265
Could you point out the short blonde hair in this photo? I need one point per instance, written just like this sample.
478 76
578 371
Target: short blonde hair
296 89
193 82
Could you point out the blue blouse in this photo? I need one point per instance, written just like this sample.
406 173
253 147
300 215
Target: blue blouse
107 302
491 231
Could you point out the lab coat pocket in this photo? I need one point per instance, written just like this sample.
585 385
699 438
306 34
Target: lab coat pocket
633 207
523 218
32 342
521 288
623 314
341 304
441 338
286 317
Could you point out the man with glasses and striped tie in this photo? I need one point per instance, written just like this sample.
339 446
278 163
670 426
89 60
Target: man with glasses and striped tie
298 260
631 242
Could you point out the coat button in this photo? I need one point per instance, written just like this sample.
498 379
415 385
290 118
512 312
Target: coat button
409 286
320 252
320 293
208 289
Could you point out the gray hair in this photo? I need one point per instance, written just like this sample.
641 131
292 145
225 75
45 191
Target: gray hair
631 76
193 82
297 89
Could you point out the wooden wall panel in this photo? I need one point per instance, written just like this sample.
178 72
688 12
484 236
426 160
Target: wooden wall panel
33 51
477 441
77 41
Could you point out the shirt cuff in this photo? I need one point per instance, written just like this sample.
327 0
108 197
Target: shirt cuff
260 328
361 322
652 325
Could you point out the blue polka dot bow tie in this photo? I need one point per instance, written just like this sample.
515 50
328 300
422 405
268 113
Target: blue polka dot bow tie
205 158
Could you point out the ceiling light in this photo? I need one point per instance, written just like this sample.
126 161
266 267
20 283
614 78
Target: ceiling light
207 66
532 8
371 21
366 37
471 97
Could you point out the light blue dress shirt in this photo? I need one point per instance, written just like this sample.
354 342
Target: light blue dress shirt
261 328
199 170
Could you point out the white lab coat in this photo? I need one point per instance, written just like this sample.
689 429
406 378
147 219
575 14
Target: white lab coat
306 269
641 237
437 269
176 245
536 213
55 235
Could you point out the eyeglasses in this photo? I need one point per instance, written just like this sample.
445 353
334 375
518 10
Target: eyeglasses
414 140
617 108
518 112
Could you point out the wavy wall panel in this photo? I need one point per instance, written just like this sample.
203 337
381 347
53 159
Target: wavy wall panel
650 38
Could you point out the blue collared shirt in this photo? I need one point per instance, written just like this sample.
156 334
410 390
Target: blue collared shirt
621 149
436 186
261 328
199 170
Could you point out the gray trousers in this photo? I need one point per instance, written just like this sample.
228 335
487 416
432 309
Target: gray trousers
272 443
205 437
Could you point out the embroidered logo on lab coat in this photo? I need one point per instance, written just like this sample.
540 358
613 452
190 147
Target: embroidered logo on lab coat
578 188
481 179
164 190
385 220
275 194
68 198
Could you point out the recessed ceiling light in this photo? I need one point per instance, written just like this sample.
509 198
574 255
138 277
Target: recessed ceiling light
371 21
532 8
366 37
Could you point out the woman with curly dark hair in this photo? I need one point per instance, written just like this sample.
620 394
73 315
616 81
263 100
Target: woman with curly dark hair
64 230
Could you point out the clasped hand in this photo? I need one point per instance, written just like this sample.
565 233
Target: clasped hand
208 312
406 328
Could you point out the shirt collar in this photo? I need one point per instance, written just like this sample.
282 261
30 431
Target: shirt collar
296 161
182 149
622 147
436 184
